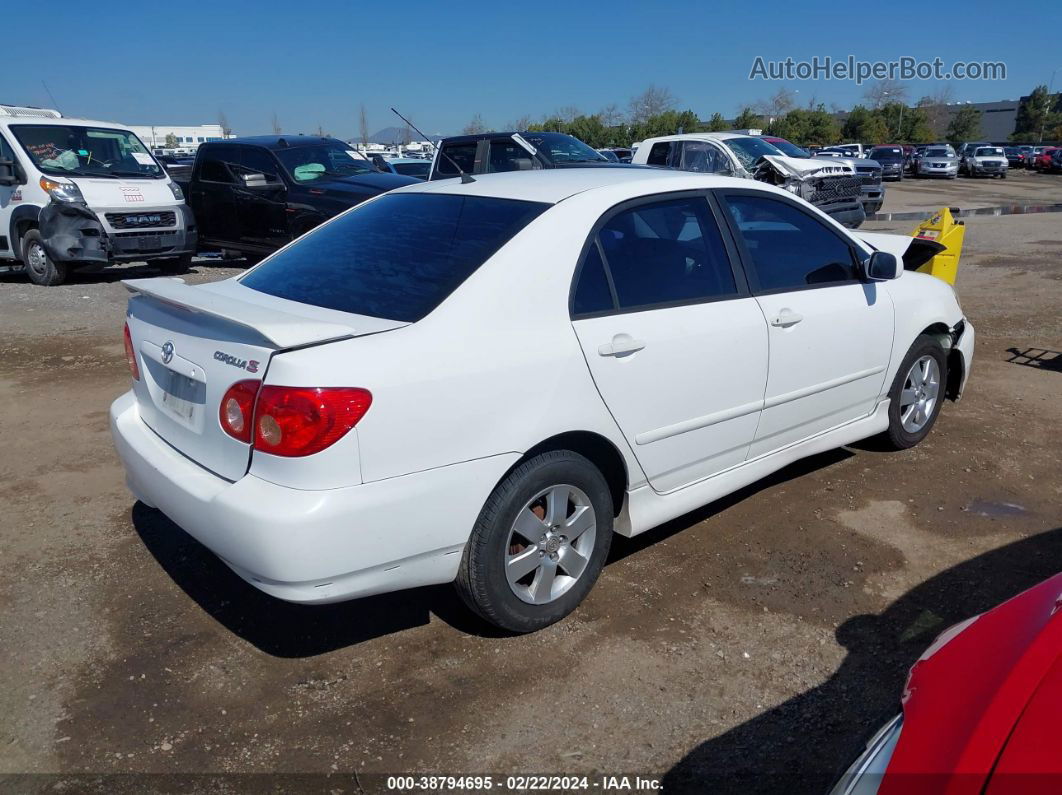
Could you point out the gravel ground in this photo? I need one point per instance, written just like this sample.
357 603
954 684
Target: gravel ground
750 645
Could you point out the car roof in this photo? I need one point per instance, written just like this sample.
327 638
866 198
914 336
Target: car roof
63 121
553 185
275 141
701 136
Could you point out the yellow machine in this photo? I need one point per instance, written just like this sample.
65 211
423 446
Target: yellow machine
947 233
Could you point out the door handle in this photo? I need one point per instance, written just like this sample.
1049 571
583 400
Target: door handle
621 345
786 318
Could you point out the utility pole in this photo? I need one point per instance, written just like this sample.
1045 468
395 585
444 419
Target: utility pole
1047 103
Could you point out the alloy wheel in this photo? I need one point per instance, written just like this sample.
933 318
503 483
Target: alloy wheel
550 544
920 393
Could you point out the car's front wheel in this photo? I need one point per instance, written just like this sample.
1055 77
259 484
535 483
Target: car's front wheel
40 268
539 543
917 393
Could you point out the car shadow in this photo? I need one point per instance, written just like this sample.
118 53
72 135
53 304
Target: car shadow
805 743
280 628
284 629
1038 358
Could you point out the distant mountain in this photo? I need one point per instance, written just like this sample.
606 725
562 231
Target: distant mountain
395 135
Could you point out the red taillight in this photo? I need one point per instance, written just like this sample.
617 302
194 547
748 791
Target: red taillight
130 354
296 421
236 412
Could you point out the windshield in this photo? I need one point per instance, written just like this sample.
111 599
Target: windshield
886 153
73 150
396 257
749 149
307 163
941 152
788 148
561 148
988 151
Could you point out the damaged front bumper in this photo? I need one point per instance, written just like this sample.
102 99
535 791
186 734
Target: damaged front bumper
73 233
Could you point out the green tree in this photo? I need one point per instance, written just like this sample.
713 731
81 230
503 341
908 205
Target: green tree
171 141
807 127
1038 113
748 119
965 125
589 130
717 123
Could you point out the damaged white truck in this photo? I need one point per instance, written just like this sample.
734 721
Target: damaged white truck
77 194
833 187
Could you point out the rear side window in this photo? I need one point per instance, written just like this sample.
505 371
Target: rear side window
592 294
666 252
790 249
464 155
397 257
659 154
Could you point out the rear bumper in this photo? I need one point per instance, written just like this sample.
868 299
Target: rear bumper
312 546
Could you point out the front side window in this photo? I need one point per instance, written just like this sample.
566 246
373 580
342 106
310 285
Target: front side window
76 151
219 164
666 252
508 155
255 161
396 257
454 156
703 157
789 249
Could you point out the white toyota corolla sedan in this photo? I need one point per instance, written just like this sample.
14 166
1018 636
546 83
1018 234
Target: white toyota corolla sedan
480 383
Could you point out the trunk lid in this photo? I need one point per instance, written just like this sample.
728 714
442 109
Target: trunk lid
194 342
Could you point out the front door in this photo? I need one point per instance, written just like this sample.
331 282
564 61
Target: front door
675 344
261 200
212 193
830 332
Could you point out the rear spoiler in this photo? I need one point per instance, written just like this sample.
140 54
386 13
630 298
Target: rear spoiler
282 329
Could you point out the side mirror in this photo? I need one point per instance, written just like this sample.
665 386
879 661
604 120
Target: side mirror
882 266
256 181
8 175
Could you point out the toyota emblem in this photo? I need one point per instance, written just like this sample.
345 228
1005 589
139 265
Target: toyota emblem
167 353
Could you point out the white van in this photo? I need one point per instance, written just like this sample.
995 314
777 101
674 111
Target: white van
77 193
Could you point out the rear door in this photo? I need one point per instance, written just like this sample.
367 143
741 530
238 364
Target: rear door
212 193
675 344
10 198
830 333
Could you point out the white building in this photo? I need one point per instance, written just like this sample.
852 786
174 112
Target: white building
186 138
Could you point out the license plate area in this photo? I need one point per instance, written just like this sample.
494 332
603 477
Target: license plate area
182 397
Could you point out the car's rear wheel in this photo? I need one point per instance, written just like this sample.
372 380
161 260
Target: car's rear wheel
40 268
917 393
539 543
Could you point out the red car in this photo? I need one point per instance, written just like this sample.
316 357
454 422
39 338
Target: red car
1042 162
982 709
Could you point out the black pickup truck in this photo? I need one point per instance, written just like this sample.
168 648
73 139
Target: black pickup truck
256 194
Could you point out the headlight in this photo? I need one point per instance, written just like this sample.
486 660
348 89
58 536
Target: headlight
865 774
175 189
793 187
62 191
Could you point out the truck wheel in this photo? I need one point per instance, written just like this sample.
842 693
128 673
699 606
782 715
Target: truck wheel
917 393
174 266
39 266
539 544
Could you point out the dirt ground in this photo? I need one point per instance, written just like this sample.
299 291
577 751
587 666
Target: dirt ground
751 645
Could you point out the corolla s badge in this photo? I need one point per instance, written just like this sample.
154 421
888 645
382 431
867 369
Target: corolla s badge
167 353
250 365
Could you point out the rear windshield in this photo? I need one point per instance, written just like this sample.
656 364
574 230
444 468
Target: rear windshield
397 257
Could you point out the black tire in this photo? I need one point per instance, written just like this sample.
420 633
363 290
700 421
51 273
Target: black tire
481 580
40 268
175 265
897 437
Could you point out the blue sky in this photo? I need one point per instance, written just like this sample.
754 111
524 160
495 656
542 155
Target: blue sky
439 62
